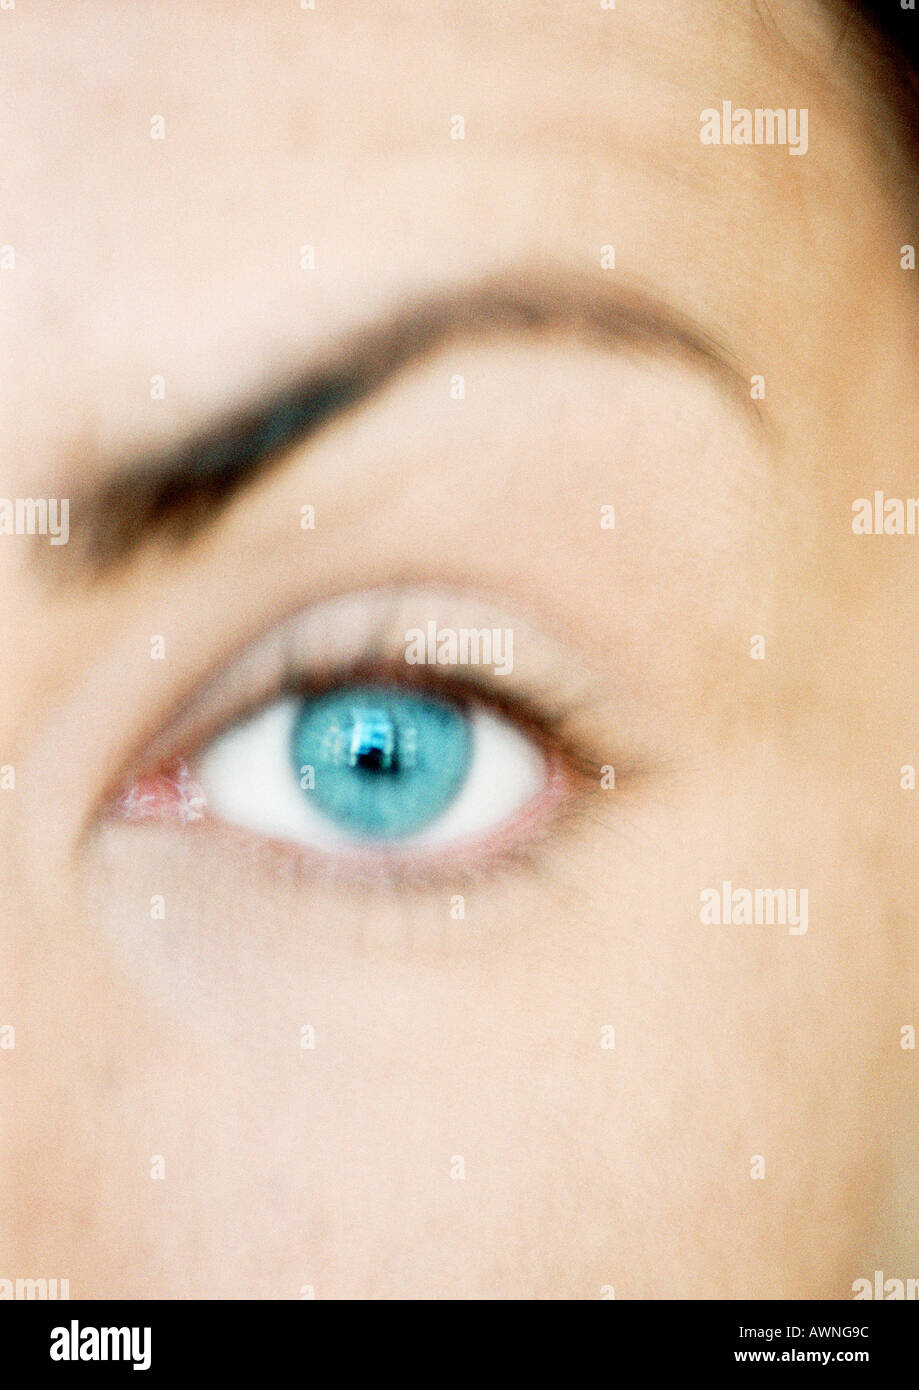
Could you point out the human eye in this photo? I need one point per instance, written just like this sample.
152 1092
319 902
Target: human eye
372 765
327 743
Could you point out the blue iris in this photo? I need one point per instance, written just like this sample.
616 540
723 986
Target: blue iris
386 762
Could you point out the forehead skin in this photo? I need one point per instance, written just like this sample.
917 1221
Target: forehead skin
333 129
138 257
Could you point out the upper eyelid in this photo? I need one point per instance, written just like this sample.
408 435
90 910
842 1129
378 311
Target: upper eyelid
461 684
283 659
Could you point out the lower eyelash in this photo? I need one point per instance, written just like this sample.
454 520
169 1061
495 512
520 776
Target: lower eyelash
173 797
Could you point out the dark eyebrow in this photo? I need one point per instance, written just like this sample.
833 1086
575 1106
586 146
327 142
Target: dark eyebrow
176 493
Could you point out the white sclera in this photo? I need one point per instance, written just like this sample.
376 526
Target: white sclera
248 780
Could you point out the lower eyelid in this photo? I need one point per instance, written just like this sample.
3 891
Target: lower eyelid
173 797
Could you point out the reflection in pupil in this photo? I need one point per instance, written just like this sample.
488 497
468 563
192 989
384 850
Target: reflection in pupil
374 743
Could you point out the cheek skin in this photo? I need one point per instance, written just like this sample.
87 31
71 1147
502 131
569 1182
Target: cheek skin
583 1167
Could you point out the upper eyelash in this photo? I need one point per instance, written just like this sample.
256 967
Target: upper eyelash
463 685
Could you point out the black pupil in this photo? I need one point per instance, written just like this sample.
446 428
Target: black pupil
374 744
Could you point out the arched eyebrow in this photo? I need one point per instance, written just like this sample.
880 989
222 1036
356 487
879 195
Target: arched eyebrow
175 494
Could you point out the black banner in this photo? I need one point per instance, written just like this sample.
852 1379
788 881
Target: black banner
65 1339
